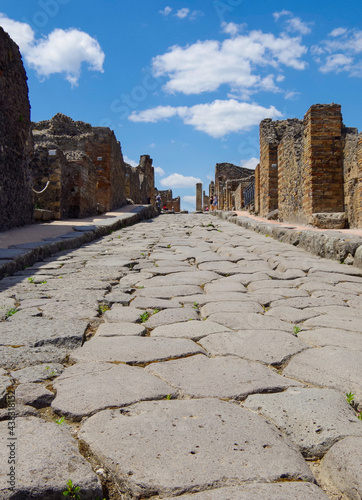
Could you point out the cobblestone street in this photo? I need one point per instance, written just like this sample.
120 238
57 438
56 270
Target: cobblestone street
186 356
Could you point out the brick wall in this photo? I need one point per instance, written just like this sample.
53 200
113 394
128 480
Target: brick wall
322 160
257 189
269 141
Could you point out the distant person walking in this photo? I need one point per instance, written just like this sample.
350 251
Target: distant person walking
215 201
158 203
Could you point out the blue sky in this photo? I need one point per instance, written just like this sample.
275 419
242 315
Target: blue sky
188 82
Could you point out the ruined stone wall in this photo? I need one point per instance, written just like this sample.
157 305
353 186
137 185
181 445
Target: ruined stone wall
290 156
147 180
105 152
322 160
16 207
131 179
227 179
352 172
257 189
79 186
271 133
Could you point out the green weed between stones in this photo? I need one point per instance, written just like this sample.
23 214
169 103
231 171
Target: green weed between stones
196 305
352 402
60 421
296 329
144 316
102 308
11 312
72 491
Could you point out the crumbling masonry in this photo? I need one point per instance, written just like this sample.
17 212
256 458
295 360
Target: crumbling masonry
311 170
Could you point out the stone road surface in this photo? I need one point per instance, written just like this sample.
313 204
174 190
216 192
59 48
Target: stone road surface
182 356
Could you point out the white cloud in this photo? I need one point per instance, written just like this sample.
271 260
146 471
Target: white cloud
62 51
252 163
159 171
129 161
291 94
232 28
278 15
166 11
179 181
182 13
189 199
337 32
152 145
217 118
342 51
206 65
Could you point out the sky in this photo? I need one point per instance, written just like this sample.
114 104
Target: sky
188 82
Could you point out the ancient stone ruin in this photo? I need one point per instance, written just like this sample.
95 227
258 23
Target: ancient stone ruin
15 138
230 183
168 201
311 170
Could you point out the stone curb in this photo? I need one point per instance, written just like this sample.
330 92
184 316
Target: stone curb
331 245
38 251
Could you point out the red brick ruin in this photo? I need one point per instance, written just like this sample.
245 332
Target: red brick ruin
310 172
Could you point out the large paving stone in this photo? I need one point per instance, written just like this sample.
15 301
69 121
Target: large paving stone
37 373
351 323
334 367
154 303
250 321
184 278
85 388
287 313
134 350
225 268
14 358
69 311
342 466
122 314
170 447
168 292
121 329
304 302
314 419
240 307
35 395
46 458
193 330
169 316
322 337
271 347
220 286
37 332
276 491
221 377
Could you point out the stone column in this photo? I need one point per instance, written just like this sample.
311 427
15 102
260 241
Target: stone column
199 197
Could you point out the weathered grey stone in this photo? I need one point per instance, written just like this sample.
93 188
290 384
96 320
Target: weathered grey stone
220 286
65 310
46 458
185 446
85 388
358 257
335 321
250 321
314 419
37 373
322 337
221 377
193 330
240 307
169 316
154 303
116 298
120 329
184 278
333 367
17 411
122 314
168 292
40 332
5 383
304 302
134 350
14 358
342 466
272 347
276 491
35 395
224 268
6 304
292 314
